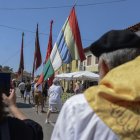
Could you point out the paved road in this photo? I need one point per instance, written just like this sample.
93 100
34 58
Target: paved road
29 110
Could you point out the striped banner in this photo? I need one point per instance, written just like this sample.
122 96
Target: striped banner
68 47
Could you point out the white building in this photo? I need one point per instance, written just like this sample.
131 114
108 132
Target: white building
91 62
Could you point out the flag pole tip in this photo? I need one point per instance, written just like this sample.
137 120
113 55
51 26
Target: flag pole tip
51 21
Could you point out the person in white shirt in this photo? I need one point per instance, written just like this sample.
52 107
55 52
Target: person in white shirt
110 110
27 91
21 87
55 103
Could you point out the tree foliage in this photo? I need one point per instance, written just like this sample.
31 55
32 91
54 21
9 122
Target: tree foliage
6 69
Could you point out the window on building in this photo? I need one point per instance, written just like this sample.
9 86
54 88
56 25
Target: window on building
89 60
81 66
96 60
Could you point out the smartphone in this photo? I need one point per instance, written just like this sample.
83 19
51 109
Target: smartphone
5 83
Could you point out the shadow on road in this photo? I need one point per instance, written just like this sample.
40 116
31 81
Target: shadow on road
23 105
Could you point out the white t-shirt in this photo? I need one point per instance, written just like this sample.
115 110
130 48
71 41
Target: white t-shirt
21 86
77 121
54 93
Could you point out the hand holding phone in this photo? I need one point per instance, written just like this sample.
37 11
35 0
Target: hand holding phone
11 99
5 81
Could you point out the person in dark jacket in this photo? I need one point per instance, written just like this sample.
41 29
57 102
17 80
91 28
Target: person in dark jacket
27 91
16 126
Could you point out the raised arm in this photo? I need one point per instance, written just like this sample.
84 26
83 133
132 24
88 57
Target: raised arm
10 101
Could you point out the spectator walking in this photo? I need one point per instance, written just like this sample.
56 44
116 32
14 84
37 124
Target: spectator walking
21 87
110 110
27 91
38 96
55 91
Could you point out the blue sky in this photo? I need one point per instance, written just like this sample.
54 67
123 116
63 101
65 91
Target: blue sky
97 17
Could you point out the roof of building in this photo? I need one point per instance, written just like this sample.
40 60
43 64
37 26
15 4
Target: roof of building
134 28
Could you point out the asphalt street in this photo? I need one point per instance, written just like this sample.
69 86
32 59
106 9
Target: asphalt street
39 117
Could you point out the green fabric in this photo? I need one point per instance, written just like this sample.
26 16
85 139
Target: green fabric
48 70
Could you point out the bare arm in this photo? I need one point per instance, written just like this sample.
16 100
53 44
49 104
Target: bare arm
10 101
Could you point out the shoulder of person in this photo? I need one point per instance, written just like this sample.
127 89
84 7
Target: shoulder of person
28 127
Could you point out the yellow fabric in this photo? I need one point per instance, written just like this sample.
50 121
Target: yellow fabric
116 100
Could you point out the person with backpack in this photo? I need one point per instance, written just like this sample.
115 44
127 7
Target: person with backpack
21 87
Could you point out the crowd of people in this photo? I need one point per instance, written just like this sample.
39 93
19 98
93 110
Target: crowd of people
107 111
41 93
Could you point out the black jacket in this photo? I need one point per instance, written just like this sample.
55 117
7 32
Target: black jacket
20 130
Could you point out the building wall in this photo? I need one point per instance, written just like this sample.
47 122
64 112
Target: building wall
74 66
93 67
